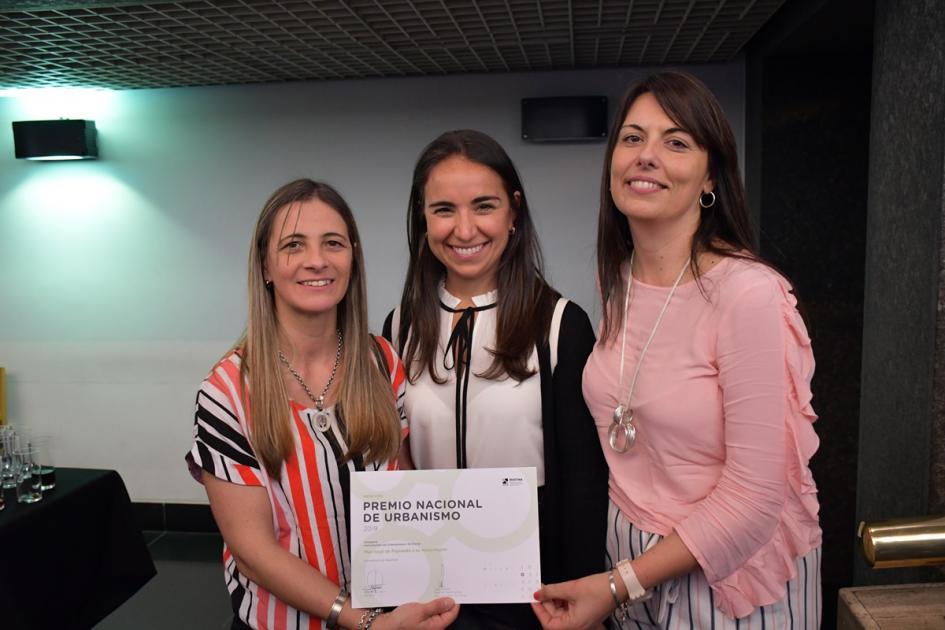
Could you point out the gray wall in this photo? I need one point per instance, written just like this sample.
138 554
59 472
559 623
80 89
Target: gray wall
124 279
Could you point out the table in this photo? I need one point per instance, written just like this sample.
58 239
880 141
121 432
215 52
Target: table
896 607
71 559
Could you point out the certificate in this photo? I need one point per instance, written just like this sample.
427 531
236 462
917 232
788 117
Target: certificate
468 534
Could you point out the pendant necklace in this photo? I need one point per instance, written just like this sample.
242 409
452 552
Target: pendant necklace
322 419
622 422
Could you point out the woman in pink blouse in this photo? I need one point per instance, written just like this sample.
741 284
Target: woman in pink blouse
699 387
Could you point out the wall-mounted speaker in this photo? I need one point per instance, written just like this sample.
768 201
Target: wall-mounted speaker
55 140
564 119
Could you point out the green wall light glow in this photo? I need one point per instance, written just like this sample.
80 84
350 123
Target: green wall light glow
86 256
55 158
52 103
66 201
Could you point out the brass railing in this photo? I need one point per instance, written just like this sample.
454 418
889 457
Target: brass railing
904 542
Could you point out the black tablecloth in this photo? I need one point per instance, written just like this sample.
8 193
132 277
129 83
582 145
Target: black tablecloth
72 558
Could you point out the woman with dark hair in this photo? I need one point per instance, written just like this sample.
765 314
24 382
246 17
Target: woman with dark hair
494 355
700 389
305 397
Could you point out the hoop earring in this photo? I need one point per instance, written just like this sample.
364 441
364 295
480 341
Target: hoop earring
704 203
512 231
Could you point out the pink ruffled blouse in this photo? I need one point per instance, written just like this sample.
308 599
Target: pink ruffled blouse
724 427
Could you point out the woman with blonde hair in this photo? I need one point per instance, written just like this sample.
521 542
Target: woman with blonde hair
306 397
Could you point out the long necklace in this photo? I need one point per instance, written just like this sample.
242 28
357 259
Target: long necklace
322 418
622 422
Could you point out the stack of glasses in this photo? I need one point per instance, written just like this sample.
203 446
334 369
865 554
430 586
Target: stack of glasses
20 467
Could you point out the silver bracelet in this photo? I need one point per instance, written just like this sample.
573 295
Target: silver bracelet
367 618
621 607
335 612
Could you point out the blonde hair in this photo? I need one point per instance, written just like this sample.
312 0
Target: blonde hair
364 390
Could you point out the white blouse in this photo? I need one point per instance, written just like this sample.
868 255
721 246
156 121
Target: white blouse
502 417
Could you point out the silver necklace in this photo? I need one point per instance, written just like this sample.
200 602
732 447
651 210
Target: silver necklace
322 419
622 422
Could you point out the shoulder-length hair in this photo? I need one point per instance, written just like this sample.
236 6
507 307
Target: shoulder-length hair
364 393
724 228
525 301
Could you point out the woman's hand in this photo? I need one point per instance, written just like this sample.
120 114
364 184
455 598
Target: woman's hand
575 605
433 615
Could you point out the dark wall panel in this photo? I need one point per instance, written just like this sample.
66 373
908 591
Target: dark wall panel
813 227
904 256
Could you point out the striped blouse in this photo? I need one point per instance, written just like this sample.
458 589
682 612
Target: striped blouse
309 504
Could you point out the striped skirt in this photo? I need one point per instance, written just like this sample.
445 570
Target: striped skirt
687 601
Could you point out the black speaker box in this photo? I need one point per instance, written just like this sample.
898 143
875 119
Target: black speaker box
55 139
564 118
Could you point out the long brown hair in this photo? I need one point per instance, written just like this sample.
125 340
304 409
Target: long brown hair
365 395
525 301
724 228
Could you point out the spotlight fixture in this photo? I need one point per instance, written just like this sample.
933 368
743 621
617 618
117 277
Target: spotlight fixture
55 140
